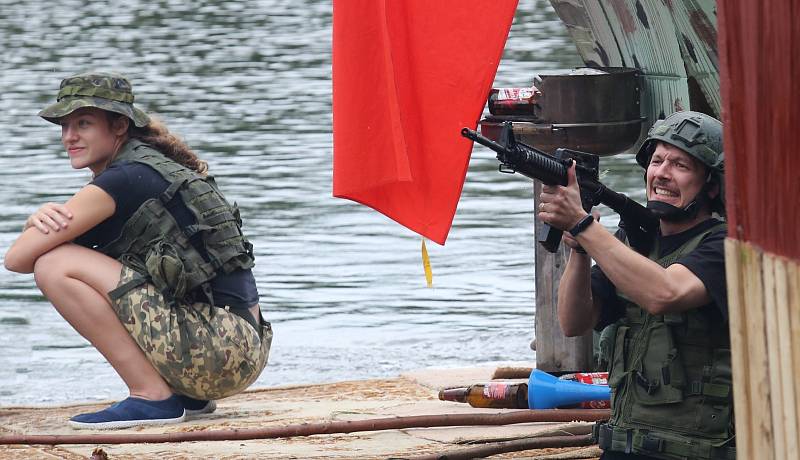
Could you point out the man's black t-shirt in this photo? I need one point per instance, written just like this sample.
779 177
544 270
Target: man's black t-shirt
130 184
707 262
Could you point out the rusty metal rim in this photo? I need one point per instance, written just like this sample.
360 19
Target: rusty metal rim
607 123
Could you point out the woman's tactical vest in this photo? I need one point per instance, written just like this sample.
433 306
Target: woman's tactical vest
670 379
154 245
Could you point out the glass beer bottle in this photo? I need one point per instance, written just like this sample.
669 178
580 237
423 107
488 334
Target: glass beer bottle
494 395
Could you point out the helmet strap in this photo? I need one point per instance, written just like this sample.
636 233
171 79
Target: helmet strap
672 213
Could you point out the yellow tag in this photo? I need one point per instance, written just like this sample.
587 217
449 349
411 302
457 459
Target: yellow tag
426 264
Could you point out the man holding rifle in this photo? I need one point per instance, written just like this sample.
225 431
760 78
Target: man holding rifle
664 313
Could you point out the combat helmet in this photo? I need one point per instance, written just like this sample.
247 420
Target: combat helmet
103 90
700 136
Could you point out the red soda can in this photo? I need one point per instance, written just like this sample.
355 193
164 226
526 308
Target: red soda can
593 378
513 101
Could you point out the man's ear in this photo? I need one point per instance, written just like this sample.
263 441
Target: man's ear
120 125
713 190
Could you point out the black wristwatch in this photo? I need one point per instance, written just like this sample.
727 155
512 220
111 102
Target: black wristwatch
582 225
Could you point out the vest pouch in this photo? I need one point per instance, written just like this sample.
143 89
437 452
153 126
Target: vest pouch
166 270
616 367
659 378
714 414
693 404
608 338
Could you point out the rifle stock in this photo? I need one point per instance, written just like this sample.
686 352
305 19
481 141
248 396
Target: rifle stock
637 221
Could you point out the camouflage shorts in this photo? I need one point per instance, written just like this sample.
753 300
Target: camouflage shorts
200 350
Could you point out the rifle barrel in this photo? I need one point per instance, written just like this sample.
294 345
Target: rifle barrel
484 141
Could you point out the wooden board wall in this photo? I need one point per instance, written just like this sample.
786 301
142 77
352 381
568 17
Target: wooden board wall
759 65
764 307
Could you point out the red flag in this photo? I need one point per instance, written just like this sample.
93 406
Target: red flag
407 76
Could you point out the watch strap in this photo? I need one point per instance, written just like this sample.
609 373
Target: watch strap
582 225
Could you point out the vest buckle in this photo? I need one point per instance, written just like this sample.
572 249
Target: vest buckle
649 387
652 444
602 434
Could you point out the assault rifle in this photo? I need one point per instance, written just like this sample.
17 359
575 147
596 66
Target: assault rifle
638 223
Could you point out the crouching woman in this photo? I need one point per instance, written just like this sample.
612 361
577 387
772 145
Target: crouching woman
147 261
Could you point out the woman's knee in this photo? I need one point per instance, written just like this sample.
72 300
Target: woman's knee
72 261
49 267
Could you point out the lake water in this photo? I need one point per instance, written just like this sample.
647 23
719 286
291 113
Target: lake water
248 85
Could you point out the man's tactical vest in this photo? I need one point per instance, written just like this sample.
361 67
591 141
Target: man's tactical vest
670 379
154 245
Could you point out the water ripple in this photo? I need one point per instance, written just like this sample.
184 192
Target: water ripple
247 84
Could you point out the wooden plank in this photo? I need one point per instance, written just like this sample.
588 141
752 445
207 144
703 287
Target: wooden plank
554 351
783 306
737 319
758 360
770 306
793 294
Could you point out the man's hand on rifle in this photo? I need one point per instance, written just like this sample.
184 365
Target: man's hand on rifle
570 240
560 207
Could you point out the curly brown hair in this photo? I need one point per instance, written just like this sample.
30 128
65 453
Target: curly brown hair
156 135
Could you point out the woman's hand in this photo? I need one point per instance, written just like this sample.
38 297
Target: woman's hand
51 216
87 208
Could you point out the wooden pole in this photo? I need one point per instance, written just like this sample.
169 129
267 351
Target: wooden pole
554 351
308 429
516 445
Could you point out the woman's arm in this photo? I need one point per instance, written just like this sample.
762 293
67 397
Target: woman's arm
90 206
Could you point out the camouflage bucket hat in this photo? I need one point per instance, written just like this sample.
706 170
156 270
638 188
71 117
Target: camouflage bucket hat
104 90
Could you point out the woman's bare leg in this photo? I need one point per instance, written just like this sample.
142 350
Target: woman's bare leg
76 280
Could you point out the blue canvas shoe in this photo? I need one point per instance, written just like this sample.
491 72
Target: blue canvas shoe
132 412
197 406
